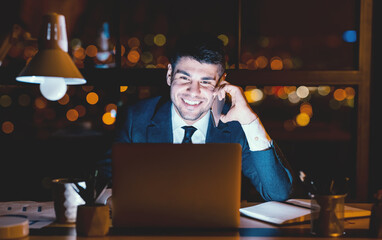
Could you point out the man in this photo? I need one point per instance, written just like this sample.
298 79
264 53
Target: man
194 76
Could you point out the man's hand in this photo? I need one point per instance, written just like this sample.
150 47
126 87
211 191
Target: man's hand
240 110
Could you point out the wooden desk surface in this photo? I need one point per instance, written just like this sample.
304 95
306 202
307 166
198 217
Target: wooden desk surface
356 229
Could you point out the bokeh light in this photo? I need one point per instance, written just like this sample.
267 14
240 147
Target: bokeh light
92 98
64 100
72 115
302 92
123 88
75 43
323 90
133 42
91 51
262 62
224 39
276 63
280 93
133 56
253 95
40 103
81 110
302 119
289 125
339 94
79 53
350 93
109 107
350 36
306 108
293 97
123 49
87 88
7 127
263 42
5 101
160 40
147 57
107 118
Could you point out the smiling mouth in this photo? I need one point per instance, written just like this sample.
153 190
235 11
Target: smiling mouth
191 103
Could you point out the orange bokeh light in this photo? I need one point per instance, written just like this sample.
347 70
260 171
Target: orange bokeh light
123 88
81 110
339 94
276 63
64 100
72 115
7 127
79 53
92 98
108 118
91 51
133 56
40 103
306 108
110 106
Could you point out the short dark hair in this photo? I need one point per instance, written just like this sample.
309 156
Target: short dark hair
204 48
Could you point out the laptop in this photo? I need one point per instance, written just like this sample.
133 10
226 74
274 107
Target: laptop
163 185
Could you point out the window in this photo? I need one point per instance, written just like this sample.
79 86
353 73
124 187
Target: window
304 67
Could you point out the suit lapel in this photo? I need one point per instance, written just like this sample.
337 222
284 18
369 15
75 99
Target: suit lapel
160 128
220 134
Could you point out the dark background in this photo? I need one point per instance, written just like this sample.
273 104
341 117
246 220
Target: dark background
30 159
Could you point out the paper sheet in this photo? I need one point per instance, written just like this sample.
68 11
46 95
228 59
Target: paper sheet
39 214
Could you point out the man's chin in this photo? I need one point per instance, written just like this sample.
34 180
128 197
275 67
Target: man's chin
192 118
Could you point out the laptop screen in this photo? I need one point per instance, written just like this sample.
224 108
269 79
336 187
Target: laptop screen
176 185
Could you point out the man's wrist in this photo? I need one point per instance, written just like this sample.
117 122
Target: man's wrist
257 137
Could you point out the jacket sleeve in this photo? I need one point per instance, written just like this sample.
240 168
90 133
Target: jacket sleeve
269 172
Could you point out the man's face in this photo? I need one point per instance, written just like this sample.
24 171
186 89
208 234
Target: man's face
192 86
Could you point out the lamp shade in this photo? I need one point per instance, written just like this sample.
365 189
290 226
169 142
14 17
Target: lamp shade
52 60
51 63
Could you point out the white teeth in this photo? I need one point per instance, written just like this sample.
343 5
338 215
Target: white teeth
191 102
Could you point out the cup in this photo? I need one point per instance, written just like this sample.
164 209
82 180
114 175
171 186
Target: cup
66 199
93 220
327 215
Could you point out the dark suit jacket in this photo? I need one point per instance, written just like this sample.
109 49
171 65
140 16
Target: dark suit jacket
149 121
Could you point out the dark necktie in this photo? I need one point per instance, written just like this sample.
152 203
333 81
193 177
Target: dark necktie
188 131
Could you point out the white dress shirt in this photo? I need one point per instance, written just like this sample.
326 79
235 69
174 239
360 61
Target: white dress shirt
255 133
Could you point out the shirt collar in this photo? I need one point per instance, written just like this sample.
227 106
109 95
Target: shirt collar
178 122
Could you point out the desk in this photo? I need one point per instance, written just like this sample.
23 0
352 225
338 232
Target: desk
356 229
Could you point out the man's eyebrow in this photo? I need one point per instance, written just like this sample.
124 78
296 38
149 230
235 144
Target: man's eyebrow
209 78
189 75
183 72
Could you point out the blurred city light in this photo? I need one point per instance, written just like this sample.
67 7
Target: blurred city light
7 127
350 36
92 98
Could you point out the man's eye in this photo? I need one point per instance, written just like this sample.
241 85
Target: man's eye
206 82
183 77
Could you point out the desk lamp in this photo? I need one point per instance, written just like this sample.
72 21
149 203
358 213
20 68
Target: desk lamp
52 66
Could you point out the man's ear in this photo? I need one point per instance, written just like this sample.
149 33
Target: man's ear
168 76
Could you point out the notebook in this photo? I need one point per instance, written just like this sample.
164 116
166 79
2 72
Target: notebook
292 211
163 185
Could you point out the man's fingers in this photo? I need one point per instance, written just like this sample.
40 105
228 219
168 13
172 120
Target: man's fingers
223 118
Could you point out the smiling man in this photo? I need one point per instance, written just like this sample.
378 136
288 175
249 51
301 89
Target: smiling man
195 77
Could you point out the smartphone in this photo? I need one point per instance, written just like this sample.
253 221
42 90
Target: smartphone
216 110
217 105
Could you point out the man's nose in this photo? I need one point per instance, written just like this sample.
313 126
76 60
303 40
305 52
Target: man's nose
194 88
